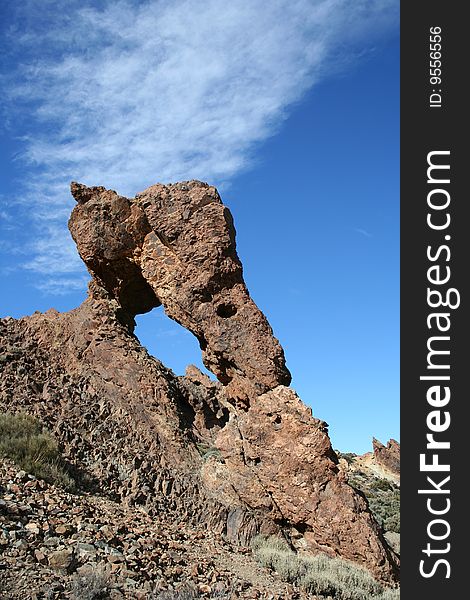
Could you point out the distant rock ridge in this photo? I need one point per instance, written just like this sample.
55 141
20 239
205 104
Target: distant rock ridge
382 462
241 455
388 456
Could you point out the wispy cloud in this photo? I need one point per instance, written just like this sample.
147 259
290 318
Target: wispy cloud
60 286
51 254
124 94
362 232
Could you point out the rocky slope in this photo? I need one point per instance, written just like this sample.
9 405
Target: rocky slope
57 545
238 456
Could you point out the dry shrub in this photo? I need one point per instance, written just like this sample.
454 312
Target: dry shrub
321 575
389 595
90 585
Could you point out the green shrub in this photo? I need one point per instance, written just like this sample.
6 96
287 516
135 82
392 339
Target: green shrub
392 523
270 542
383 497
207 452
340 579
379 484
286 564
348 456
320 574
385 507
24 441
18 424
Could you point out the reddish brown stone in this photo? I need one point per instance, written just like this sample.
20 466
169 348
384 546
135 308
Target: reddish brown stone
388 456
175 245
241 455
278 459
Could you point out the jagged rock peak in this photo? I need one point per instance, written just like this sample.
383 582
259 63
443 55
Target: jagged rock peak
387 456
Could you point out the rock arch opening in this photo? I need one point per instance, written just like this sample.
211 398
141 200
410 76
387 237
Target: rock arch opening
169 342
175 245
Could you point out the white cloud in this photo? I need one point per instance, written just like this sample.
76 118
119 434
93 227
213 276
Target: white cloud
60 286
51 253
363 232
138 92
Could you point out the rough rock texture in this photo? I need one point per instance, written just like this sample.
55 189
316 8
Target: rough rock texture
52 542
388 456
175 245
242 455
383 462
279 460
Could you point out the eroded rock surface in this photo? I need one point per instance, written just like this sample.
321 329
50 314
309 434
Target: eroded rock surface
53 542
175 245
388 456
242 455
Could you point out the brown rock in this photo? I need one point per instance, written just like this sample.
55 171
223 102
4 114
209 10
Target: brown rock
278 459
115 558
40 556
107 531
32 527
62 529
175 245
388 456
61 559
237 456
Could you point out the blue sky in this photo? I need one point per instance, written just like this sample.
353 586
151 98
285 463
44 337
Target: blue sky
290 108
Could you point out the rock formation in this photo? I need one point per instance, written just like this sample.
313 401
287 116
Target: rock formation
175 245
383 462
242 455
388 456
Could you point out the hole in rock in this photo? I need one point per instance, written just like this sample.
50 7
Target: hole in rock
226 310
168 341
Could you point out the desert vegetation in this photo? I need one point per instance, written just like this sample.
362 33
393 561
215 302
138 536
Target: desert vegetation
27 443
383 497
91 585
320 575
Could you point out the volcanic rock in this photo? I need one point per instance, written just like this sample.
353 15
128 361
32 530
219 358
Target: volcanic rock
175 245
238 456
382 463
61 559
388 456
133 554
